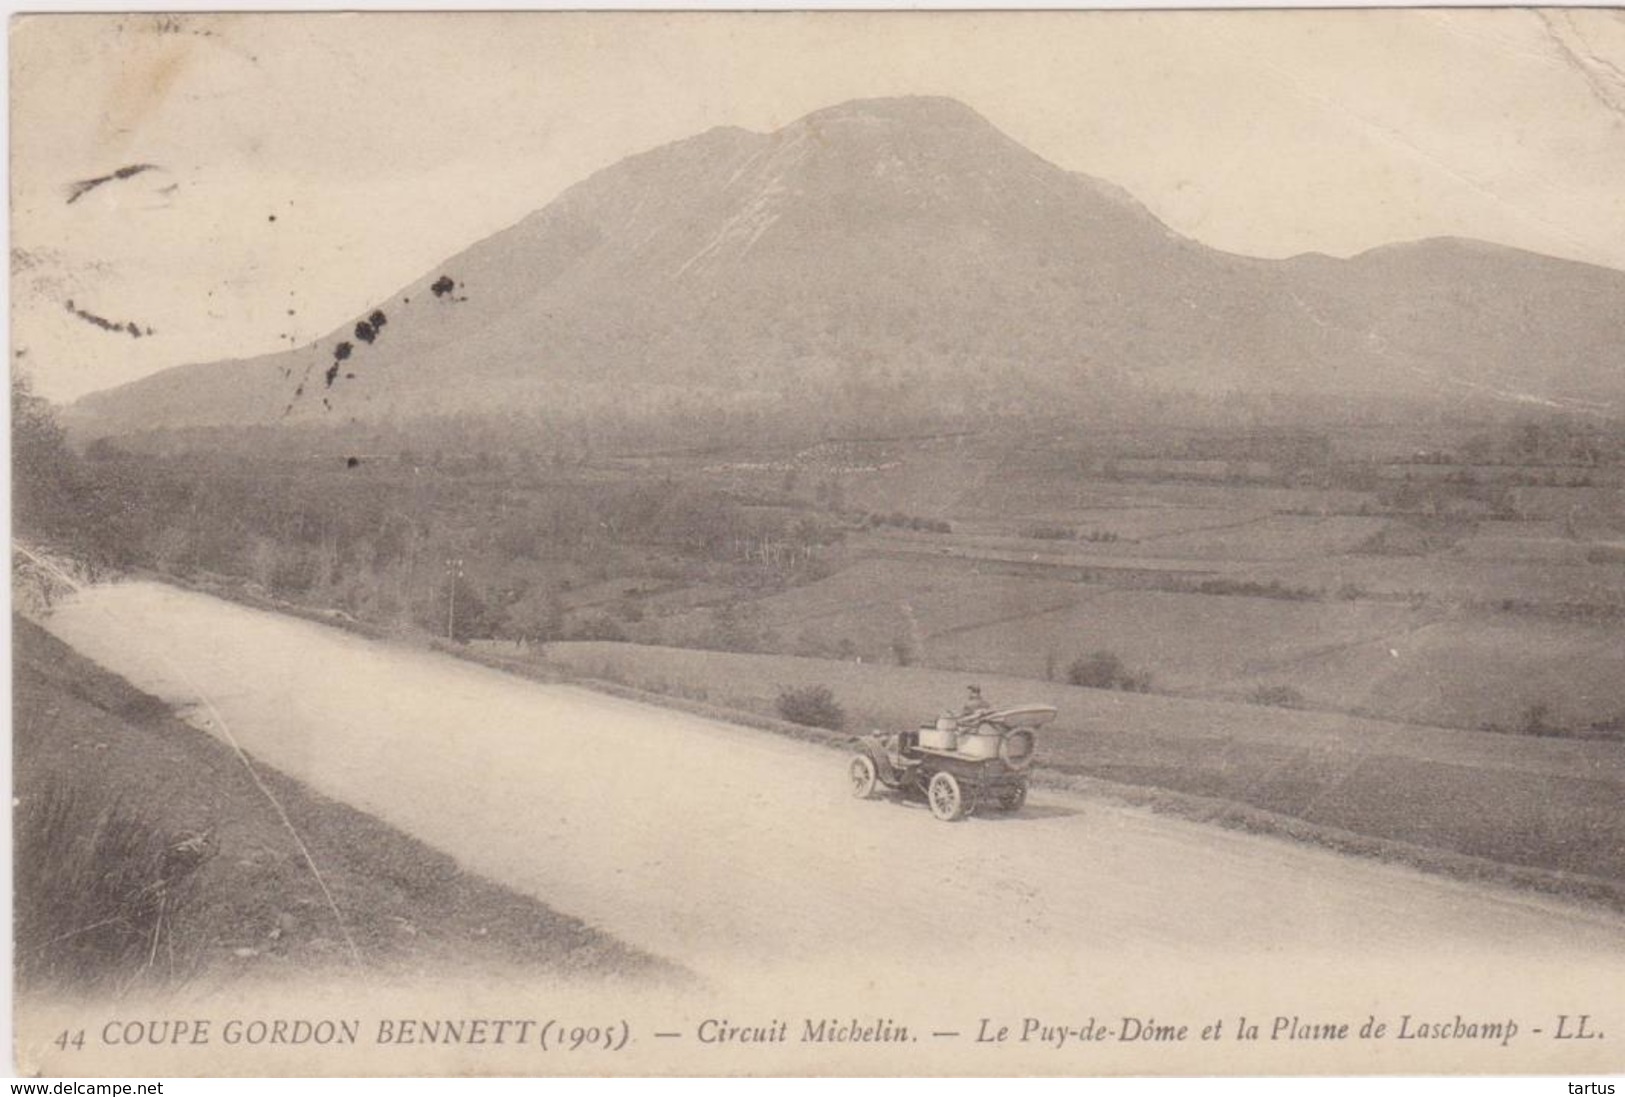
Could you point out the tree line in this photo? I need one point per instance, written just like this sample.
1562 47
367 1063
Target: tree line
465 548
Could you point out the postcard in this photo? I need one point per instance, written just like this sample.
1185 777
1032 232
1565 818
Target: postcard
819 543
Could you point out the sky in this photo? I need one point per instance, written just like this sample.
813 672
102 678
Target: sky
303 167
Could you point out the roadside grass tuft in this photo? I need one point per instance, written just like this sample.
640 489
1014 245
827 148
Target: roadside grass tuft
103 895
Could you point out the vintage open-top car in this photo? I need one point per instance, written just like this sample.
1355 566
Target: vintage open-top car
955 764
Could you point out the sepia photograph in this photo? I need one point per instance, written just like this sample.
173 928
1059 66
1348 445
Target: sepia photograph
815 544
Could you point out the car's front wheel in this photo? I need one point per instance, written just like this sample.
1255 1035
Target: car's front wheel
863 776
946 797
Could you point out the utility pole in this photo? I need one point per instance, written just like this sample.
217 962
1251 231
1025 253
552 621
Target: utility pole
454 568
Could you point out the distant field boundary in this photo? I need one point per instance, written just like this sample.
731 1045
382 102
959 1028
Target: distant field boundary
1228 814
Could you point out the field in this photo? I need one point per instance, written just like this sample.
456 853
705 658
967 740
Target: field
1430 657
1444 609
1408 633
1536 802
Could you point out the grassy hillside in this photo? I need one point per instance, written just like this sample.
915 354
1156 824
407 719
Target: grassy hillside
146 855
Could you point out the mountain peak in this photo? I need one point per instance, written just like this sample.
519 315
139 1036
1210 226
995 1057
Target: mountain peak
908 110
886 252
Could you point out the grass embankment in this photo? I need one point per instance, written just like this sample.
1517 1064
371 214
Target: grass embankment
145 854
1544 805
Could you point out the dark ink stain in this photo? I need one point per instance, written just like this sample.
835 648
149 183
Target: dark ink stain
352 462
377 319
365 332
85 186
442 286
332 374
342 351
300 391
349 377
134 330
271 218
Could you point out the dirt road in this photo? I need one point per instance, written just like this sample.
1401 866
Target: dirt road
728 849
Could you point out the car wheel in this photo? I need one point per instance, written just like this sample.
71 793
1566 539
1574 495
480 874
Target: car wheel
862 775
946 798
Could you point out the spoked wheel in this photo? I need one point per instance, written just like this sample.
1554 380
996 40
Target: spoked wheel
1011 798
946 798
862 775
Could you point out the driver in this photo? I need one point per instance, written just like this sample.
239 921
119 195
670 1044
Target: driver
976 707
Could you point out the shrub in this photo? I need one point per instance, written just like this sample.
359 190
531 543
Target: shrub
1098 671
1104 670
1279 696
1049 533
902 650
1136 682
909 521
1250 589
812 706
1536 720
1612 727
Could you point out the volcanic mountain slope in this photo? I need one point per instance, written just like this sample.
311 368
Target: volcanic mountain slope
902 251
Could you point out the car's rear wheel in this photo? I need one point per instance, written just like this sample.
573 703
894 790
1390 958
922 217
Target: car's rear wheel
945 796
863 776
